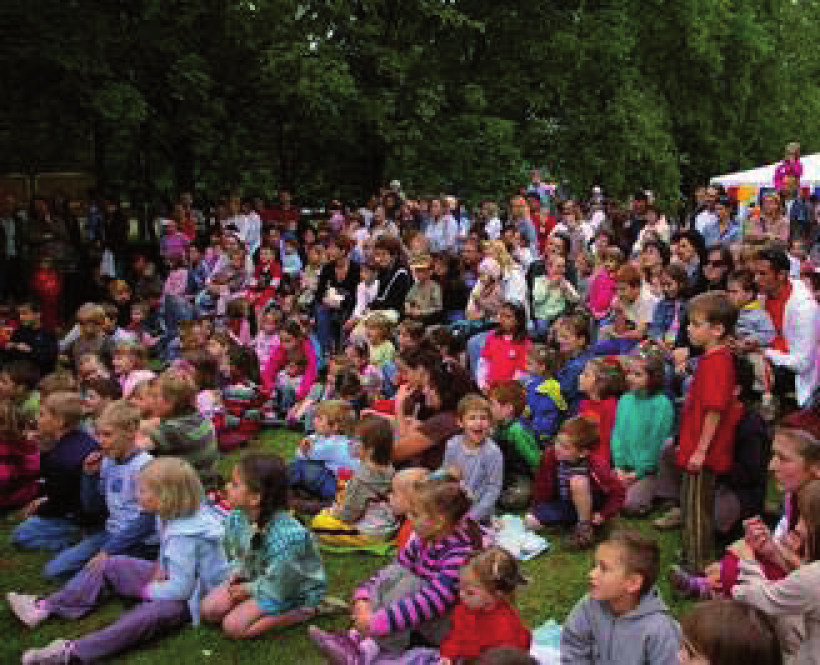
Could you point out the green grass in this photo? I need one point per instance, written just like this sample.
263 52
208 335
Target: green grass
557 580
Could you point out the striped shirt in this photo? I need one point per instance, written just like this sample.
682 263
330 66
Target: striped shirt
438 563
192 438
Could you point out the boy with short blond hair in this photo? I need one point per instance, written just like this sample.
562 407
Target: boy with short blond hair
109 485
475 457
707 423
623 618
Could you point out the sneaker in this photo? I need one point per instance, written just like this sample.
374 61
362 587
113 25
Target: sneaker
59 652
688 585
671 520
26 608
338 648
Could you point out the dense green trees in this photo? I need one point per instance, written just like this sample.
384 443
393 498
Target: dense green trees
333 97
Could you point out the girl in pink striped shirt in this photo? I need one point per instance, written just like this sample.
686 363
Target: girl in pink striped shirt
420 588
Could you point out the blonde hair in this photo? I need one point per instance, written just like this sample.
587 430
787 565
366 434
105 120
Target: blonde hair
92 312
381 323
67 406
339 414
176 485
120 414
179 389
498 250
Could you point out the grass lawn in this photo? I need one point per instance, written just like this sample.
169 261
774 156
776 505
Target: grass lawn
558 580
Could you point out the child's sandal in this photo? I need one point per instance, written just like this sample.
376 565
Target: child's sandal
584 536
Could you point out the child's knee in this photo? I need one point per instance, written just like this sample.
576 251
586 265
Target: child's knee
235 626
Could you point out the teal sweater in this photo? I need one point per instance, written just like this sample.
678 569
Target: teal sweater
642 423
285 572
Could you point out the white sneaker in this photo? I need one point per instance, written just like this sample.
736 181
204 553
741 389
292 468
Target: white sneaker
59 652
26 608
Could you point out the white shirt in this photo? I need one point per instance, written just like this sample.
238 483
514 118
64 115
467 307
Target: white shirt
705 219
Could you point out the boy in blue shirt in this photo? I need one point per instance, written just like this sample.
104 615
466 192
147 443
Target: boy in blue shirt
110 485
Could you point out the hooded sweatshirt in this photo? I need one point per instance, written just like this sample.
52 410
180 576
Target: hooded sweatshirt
192 558
593 635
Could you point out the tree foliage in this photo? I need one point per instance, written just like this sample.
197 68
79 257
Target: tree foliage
333 97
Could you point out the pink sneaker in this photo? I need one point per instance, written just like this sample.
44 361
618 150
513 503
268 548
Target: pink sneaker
59 652
338 648
26 608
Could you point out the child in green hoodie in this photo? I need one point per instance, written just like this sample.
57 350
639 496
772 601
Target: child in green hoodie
522 454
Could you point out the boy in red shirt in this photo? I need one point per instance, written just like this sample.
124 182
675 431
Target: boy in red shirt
708 418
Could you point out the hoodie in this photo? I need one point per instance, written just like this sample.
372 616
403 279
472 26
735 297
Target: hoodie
192 559
648 635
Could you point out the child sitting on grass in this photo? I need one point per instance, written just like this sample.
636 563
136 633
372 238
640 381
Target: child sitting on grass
182 431
519 447
623 618
485 616
191 563
364 515
320 456
110 486
402 498
545 404
572 488
603 382
57 518
276 577
419 589
644 420
474 457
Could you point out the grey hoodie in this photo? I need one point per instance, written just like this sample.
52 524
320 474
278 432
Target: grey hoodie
192 558
648 635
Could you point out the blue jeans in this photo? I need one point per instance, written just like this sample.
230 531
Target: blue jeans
329 328
389 371
52 534
72 559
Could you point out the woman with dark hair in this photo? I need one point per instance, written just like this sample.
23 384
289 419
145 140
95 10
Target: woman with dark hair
394 277
293 340
422 437
719 265
448 271
655 256
691 252
336 293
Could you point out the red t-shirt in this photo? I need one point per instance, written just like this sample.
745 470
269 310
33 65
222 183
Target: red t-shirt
504 356
712 389
472 632
603 411
776 307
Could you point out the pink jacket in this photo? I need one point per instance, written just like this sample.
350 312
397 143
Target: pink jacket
602 290
277 361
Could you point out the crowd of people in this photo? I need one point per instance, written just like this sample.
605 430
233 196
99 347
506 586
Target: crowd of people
571 361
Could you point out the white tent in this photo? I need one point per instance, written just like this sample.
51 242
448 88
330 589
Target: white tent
763 176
